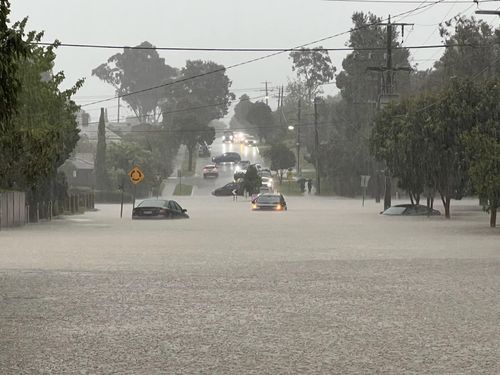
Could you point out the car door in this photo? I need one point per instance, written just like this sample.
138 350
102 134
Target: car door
174 209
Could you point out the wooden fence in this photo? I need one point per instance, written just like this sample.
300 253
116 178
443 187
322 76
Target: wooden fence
15 211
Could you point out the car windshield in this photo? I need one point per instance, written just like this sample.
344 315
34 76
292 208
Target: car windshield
269 199
152 203
395 210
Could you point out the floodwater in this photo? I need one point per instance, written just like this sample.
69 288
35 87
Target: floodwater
325 287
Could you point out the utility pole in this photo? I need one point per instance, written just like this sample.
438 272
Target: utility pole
387 93
298 138
118 117
316 145
267 92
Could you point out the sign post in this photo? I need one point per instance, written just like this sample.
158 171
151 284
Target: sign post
364 185
136 176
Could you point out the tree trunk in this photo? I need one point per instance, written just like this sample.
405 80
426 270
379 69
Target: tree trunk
446 203
493 215
190 158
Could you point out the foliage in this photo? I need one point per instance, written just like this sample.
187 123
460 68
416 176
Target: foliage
480 62
13 48
261 117
122 157
100 158
42 132
252 180
314 67
482 145
435 123
135 70
188 111
281 158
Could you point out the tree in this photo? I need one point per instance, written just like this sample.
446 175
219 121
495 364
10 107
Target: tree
480 62
252 181
281 158
43 131
12 49
239 120
191 129
188 114
261 117
314 67
482 145
132 73
100 158
435 123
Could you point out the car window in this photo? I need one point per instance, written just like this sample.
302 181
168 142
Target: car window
151 203
268 199
394 210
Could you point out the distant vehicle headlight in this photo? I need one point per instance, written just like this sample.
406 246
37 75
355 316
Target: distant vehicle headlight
279 207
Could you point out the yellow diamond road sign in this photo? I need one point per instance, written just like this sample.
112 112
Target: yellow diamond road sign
136 175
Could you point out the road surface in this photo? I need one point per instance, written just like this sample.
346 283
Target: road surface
328 287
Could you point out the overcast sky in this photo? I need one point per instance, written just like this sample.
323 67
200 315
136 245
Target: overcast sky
217 23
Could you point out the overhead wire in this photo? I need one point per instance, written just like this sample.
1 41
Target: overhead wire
246 62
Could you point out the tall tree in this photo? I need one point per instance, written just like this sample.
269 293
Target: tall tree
261 117
476 56
202 96
100 158
133 73
314 67
482 146
12 49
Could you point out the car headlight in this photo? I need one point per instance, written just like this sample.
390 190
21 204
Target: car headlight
279 207
254 206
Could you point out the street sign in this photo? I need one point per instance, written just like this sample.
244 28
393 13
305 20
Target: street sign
136 175
364 181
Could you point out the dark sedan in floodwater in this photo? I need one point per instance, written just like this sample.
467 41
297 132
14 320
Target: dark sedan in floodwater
159 209
228 189
410 210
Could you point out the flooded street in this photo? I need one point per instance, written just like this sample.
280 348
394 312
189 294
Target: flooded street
326 287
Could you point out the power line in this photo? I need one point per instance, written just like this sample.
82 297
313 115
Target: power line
408 1
332 49
426 5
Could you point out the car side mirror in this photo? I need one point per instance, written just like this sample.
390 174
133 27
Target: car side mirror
184 210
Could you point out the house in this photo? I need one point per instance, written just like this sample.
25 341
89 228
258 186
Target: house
79 170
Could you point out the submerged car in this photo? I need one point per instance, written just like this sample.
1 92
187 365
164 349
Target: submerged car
159 209
410 210
210 170
228 189
227 157
269 201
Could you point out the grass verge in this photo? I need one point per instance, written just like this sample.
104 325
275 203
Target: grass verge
289 188
183 189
